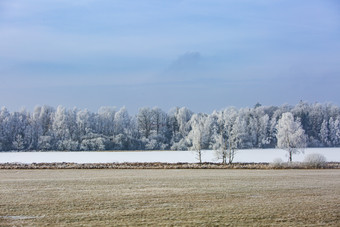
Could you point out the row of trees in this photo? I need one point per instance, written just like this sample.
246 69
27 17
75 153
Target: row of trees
64 129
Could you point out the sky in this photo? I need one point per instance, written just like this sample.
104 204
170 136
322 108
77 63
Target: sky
202 54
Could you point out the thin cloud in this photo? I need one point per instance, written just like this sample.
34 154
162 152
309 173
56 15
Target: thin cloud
236 48
189 61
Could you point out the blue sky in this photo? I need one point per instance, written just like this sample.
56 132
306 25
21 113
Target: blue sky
203 54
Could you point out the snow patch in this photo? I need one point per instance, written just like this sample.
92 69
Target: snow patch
242 156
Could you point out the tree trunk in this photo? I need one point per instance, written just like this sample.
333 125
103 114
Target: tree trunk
290 156
200 156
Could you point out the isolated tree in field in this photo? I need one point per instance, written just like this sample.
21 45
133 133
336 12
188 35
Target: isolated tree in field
221 148
196 135
290 135
236 137
219 137
229 135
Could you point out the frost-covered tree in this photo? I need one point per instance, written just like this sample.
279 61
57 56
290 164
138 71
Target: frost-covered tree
5 135
324 133
144 121
60 127
158 120
84 121
74 129
196 135
183 117
126 135
18 143
122 121
179 126
316 117
46 116
226 140
105 120
334 131
42 124
45 143
264 132
73 126
236 138
290 135
219 137
20 130
302 111
37 129
93 142
160 137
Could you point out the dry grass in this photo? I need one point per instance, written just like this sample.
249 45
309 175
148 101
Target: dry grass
160 165
170 197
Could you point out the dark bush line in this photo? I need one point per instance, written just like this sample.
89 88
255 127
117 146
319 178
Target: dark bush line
158 165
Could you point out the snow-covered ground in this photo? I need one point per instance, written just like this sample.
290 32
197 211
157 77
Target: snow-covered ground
254 155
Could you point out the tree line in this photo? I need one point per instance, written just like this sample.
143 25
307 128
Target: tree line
47 128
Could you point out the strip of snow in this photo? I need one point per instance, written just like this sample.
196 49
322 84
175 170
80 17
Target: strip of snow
242 156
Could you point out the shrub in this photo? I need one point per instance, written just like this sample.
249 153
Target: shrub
277 163
314 160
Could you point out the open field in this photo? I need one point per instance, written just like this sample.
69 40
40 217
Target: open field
170 197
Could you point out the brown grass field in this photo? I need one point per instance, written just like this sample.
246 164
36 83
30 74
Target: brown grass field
170 197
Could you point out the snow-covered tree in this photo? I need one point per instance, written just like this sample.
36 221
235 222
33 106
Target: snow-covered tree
74 129
196 135
105 120
226 140
84 121
324 133
18 143
183 117
316 117
290 135
93 142
264 132
46 116
126 131
122 121
60 127
45 143
179 127
220 148
236 138
219 136
158 120
20 130
5 135
144 119
334 131
73 126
